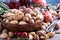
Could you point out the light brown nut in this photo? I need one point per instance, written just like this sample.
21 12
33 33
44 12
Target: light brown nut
43 27
22 23
41 32
8 14
36 37
4 35
26 19
51 34
14 22
32 33
28 15
40 17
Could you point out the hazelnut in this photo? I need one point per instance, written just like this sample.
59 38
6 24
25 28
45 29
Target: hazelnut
51 34
4 35
41 32
11 34
22 23
36 37
14 22
32 33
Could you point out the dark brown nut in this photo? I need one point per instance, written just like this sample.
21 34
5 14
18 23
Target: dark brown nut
51 34
4 35
41 32
11 34
32 33
43 27
4 31
14 22
57 25
35 37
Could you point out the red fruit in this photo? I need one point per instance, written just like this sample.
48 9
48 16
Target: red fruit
15 33
24 34
31 7
19 33
28 36
48 17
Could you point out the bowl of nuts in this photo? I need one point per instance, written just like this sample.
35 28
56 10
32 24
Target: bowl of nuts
24 19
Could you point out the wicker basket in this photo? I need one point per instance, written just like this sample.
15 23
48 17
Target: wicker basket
17 27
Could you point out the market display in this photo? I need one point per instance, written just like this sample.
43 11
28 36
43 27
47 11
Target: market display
28 23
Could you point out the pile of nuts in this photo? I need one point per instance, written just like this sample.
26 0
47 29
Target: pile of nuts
23 16
38 35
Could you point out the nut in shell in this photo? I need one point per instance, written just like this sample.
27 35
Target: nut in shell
28 15
32 33
43 27
41 32
14 22
22 23
4 35
51 34
36 37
